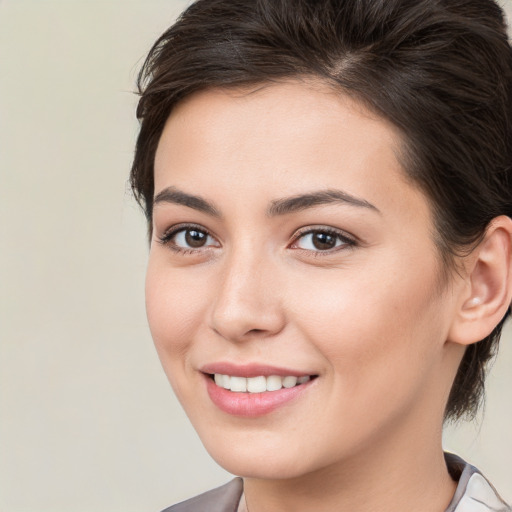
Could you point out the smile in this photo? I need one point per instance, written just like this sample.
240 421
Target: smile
256 395
259 384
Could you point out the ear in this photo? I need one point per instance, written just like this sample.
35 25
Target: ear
486 292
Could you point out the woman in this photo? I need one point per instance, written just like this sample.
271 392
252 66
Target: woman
327 188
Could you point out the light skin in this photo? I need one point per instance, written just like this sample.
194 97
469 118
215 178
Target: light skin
367 312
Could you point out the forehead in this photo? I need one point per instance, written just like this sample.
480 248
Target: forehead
298 105
282 139
293 125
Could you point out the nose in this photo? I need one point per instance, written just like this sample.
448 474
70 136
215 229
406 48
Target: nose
248 301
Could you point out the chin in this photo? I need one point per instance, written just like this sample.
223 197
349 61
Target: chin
260 467
265 458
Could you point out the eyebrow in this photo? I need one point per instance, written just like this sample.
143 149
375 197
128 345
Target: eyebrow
277 206
174 196
321 197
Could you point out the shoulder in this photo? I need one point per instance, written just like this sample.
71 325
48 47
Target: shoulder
220 499
474 492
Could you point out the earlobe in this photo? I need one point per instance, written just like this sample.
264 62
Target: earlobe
487 291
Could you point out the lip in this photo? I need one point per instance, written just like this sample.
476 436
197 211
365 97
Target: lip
251 405
250 370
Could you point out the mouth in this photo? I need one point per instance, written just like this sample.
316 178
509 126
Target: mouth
255 395
260 383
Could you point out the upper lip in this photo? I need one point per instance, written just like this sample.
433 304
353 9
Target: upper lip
250 370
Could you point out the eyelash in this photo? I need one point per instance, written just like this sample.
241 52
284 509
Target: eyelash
166 238
347 242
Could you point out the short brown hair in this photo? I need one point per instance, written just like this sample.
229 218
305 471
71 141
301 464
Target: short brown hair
440 70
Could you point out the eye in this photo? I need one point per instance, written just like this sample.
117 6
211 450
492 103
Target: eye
322 240
191 238
188 238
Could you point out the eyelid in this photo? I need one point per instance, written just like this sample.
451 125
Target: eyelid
169 233
348 240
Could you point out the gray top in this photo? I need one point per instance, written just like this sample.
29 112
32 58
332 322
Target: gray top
221 499
473 494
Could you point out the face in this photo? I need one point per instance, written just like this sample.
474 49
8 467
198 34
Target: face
287 242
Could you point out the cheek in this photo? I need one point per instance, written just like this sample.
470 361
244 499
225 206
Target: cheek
379 345
369 327
174 307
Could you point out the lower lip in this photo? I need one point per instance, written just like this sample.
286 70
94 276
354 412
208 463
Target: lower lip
252 404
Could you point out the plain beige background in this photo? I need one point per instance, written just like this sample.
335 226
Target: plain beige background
87 419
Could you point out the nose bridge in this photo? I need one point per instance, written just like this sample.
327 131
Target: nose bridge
247 303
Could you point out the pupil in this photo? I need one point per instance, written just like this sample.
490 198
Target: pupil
323 241
195 238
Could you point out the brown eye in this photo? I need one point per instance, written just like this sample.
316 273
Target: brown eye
322 240
188 238
195 238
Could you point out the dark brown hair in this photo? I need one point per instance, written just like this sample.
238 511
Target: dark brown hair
440 70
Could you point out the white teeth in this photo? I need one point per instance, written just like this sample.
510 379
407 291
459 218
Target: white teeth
289 382
274 383
238 384
258 384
